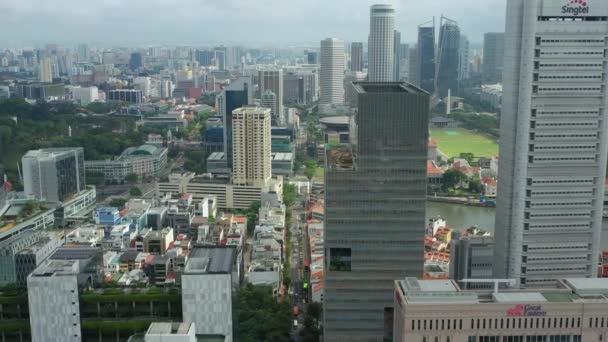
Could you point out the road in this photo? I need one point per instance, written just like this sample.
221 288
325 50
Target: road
299 276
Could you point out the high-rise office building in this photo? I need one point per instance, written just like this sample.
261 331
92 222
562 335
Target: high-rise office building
126 95
269 100
273 80
220 58
135 61
375 210
448 49
356 56
53 174
236 95
204 57
426 58
413 77
45 70
251 146
380 43
472 257
331 73
396 55
493 55
404 55
312 57
83 53
553 142
464 64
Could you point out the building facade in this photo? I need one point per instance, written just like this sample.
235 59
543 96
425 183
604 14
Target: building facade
252 156
397 55
207 282
126 95
143 161
493 55
236 95
449 58
553 145
438 310
380 43
374 210
273 80
53 174
356 56
471 257
331 73
426 58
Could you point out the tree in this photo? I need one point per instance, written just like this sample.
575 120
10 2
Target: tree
289 194
95 178
311 330
252 216
451 178
260 317
135 191
118 203
311 169
475 185
131 178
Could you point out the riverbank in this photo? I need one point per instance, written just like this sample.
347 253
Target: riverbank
459 200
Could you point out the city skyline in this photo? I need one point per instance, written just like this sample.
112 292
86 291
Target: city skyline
106 23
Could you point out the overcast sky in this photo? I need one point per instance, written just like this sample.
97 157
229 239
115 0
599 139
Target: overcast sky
136 22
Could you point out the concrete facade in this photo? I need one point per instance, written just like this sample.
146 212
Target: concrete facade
553 145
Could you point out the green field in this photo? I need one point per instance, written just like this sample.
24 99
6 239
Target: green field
454 141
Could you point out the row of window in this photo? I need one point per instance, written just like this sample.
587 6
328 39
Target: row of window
570 77
525 323
570 40
582 112
443 324
601 53
551 193
559 226
543 124
570 89
566 65
592 135
564 159
563 181
570 247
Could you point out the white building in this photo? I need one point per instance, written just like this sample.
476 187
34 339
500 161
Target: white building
491 94
380 43
208 282
553 141
573 310
251 146
170 332
85 95
54 307
53 174
331 73
273 80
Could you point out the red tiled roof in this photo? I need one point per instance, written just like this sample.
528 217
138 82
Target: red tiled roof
432 169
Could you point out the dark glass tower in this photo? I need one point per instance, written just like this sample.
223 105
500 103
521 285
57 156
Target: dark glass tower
375 210
238 94
136 61
449 58
426 58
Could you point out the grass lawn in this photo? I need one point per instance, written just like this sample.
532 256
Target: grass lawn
454 141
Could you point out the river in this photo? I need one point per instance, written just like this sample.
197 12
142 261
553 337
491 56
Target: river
460 217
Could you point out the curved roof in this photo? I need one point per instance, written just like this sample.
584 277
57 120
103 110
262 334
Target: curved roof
145 150
335 120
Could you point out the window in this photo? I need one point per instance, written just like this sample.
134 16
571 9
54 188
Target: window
340 260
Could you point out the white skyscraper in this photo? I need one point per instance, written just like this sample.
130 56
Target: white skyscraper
331 74
553 141
273 80
380 43
251 163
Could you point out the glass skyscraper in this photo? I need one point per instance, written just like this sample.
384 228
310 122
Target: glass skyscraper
375 210
449 58
426 58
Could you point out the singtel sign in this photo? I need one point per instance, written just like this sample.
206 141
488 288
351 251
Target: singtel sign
576 7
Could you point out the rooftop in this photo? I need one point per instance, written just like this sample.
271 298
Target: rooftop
340 157
386 87
75 253
210 260
445 292
166 328
57 267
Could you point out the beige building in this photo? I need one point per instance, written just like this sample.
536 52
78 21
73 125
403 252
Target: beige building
251 160
45 70
575 310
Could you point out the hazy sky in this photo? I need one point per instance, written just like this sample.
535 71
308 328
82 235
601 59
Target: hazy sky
134 22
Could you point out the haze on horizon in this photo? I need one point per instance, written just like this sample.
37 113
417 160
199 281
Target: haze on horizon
200 22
